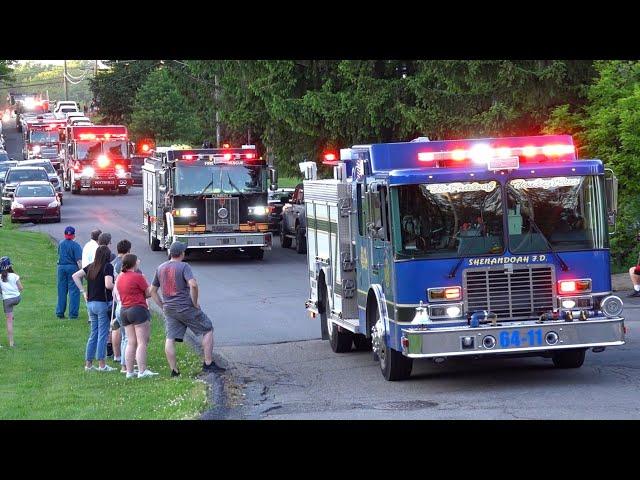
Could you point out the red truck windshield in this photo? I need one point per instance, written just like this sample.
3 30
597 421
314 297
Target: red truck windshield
91 150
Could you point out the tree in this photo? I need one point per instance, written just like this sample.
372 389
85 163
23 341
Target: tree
115 88
160 111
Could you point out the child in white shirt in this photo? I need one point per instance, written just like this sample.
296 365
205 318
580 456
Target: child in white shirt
11 288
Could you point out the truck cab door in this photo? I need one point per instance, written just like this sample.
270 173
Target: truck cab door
378 237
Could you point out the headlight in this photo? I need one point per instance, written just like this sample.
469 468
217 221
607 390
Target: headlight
53 204
445 311
36 149
88 172
17 205
259 210
453 312
186 212
568 304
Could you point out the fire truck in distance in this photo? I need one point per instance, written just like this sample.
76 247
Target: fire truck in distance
96 157
210 199
464 248
42 139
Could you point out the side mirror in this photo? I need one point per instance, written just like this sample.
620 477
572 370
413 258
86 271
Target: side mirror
162 178
273 179
611 194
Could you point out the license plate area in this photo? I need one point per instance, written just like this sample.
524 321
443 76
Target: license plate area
227 241
103 182
527 337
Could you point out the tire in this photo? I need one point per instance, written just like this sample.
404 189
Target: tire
393 365
66 185
339 338
569 358
154 243
301 240
285 242
123 191
256 253
58 220
362 343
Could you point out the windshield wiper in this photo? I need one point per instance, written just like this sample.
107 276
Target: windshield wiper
532 223
453 271
234 185
210 184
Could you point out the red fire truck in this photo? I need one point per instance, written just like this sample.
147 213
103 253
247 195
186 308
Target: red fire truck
42 139
96 157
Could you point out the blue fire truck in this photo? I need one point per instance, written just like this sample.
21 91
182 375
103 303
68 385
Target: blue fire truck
481 247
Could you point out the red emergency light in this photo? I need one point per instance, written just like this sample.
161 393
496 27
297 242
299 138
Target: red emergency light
329 158
103 161
145 147
492 151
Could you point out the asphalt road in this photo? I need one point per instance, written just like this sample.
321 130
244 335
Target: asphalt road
280 370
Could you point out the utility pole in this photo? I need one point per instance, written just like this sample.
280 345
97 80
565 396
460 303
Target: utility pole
95 69
66 92
216 96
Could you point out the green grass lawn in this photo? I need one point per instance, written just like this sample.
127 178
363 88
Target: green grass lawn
43 376
288 182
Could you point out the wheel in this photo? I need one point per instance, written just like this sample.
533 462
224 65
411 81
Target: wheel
285 242
361 343
58 220
569 358
393 365
154 243
123 190
301 240
256 253
339 338
66 184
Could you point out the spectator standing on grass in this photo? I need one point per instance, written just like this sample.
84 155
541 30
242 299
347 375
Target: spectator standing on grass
105 239
69 261
89 249
133 291
119 334
181 309
99 274
10 287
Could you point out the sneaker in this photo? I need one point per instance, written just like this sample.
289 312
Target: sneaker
212 367
634 294
174 373
117 359
89 369
146 373
132 375
106 368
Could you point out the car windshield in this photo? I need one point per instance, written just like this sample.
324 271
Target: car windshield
47 166
35 191
88 150
200 179
15 176
448 220
44 136
115 149
4 167
569 211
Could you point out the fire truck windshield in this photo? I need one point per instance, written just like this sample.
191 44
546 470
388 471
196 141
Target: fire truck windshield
569 211
115 149
199 179
44 136
448 220
88 150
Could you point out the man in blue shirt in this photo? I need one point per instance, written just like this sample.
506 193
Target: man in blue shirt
69 262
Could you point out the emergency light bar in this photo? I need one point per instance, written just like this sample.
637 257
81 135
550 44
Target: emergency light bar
482 153
103 136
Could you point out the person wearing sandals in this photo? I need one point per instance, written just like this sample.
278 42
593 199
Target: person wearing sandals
11 288
133 291
99 274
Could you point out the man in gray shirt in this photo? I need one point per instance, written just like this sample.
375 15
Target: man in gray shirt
179 303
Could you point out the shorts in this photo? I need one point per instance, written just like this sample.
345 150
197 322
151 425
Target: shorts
135 315
9 303
636 271
176 323
115 325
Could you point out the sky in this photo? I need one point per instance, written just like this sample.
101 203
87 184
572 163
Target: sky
56 62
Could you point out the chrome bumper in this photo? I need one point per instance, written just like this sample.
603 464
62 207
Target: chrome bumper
226 240
448 342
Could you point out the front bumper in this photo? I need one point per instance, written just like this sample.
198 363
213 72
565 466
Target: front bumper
226 240
20 214
104 183
448 342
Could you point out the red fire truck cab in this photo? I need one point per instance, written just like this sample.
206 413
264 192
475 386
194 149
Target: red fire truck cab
42 140
96 157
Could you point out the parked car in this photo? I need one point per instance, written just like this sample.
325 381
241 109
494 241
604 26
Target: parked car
51 171
35 201
137 161
4 156
294 222
277 200
4 168
16 175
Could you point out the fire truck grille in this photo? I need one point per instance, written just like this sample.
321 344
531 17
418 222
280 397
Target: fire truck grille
223 214
49 152
522 294
106 173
